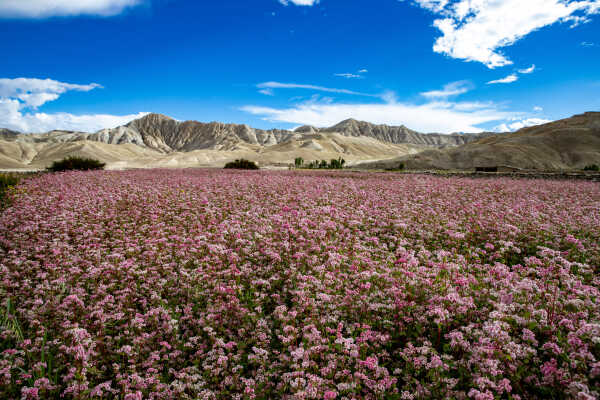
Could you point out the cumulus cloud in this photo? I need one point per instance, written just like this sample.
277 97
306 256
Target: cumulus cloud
519 124
476 30
20 98
509 79
436 116
451 89
299 2
45 8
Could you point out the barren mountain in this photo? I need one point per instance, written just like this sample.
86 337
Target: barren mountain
401 134
569 143
150 142
159 141
164 134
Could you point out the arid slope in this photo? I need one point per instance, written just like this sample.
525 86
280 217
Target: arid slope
565 144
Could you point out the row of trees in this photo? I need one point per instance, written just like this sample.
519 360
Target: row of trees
323 164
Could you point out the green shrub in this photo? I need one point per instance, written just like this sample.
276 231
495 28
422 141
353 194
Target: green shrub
241 164
76 163
6 183
592 167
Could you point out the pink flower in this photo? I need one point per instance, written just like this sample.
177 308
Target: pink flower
29 393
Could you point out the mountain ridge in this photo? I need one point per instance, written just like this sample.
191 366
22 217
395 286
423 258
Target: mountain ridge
160 141
165 134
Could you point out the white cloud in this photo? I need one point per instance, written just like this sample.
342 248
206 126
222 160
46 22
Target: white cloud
509 79
538 109
267 92
35 92
358 75
475 30
527 70
300 2
587 44
46 8
432 5
438 116
20 98
451 89
519 124
279 85
349 76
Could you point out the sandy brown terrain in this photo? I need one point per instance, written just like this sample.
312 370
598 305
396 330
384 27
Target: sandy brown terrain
570 143
34 156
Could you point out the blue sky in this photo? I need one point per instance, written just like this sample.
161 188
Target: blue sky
432 65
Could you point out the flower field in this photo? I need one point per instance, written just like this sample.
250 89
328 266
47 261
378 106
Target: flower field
205 284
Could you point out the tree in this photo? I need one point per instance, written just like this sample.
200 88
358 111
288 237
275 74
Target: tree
299 162
337 164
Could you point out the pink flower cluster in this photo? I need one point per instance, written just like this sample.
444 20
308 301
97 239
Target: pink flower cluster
205 284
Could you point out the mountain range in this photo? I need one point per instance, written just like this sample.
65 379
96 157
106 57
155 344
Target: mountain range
159 141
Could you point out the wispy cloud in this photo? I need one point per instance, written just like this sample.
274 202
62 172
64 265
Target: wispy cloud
267 92
360 74
587 44
450 89
527 70
299 2
349 76
46 8
21 97
280 85
476 30
538 109
509 79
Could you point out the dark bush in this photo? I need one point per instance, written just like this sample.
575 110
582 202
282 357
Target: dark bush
6 182
592 167
76 163
399 167
241 164
486 169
